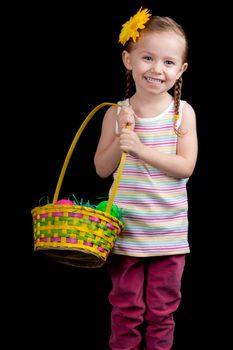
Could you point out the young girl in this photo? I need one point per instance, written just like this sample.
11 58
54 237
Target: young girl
157 131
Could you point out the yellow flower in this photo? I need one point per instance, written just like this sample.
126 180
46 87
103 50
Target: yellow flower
130 28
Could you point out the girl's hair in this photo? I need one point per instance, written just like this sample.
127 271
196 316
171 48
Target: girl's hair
159 24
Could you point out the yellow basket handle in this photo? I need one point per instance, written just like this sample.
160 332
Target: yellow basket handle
67 159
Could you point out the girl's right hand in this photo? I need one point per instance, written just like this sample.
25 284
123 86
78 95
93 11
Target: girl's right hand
125 118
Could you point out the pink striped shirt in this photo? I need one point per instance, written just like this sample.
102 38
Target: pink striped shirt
154 204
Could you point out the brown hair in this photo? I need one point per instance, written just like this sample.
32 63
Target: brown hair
159 24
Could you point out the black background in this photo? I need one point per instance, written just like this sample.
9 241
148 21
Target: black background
64 59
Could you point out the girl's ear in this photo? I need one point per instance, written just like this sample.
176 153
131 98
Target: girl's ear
183 69
126 60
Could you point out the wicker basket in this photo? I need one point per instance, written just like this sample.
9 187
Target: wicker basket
73 234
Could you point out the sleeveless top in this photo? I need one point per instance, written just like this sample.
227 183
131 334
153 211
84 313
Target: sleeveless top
154 204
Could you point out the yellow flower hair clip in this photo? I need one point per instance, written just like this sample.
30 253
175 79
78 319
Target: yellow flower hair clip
130 28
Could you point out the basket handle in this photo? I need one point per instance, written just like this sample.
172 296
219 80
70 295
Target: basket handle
67 159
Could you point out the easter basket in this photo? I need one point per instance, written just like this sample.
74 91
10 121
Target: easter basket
75 234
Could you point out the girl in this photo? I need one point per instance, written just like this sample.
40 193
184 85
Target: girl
157 131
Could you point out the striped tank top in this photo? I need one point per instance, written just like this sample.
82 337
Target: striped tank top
154 204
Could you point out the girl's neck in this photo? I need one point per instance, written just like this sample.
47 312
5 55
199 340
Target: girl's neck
150 107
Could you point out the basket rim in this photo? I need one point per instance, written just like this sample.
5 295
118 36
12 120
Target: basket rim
74 208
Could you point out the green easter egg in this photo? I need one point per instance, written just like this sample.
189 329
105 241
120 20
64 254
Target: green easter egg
114 209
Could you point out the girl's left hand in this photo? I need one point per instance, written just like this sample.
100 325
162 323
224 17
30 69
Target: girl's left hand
130 142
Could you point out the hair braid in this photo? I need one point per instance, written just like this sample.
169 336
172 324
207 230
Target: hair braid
177 94
177 97
130 85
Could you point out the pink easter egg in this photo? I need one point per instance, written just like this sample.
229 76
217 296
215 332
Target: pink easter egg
64 201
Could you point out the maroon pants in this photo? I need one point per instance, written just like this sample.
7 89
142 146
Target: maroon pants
145 293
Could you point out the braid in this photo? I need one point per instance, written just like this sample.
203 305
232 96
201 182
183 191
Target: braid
177 94
177 97
130 85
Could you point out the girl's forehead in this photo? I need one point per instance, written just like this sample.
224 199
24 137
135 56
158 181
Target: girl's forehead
166 40
160 37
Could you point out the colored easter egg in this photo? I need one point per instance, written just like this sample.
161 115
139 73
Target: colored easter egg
64 201
114 209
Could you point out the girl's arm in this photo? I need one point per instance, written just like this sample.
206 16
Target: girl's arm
108 152
179 165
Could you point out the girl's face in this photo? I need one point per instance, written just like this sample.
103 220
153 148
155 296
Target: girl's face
156 61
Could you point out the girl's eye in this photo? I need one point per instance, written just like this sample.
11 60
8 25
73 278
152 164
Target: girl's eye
147 58
168 62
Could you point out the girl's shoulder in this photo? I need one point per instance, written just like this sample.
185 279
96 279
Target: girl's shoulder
187 115
185 109
123 103
184 105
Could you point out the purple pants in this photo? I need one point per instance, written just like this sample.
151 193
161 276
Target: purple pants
145 293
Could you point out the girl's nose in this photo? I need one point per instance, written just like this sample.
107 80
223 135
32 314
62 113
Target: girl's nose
156 68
